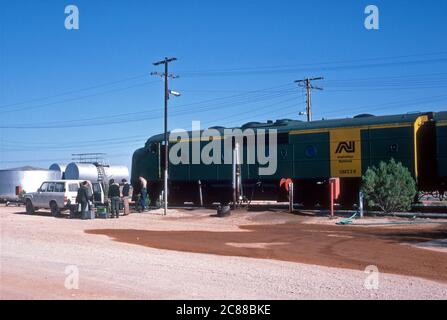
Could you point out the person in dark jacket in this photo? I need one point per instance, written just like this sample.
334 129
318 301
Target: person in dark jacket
83 196
114 196
126 193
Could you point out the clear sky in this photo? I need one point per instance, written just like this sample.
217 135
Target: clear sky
90 90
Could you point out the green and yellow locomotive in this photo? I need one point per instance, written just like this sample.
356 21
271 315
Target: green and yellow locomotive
308 153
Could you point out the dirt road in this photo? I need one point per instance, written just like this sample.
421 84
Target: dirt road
190 255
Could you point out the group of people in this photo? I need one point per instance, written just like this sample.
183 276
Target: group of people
116 194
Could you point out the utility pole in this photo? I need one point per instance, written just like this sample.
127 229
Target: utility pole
307 83
166 76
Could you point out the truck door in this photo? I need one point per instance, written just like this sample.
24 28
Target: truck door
49 195
39 198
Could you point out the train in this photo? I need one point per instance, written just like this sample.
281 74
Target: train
308 153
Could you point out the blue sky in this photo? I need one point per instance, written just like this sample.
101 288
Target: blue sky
90 90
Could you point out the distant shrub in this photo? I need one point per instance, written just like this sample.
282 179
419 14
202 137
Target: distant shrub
389 187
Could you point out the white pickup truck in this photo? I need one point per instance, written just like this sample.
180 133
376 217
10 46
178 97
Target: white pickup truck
58 195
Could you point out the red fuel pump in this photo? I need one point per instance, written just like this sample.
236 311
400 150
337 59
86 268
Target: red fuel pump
334 187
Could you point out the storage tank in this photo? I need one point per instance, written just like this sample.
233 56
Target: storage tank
27 179
60 167
117 173
88 171
81 171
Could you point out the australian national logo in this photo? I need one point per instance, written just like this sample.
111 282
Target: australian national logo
346 146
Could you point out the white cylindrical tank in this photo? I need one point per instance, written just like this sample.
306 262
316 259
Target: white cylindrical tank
117 173
81 171
60 167
28 179
88 171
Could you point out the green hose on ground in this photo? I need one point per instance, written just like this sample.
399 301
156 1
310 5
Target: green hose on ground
398 223
348 220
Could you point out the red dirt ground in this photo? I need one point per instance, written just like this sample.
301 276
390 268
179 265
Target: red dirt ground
350 247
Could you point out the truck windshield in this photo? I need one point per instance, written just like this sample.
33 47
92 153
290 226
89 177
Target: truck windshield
43 187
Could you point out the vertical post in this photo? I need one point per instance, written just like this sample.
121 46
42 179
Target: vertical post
308 100
166 139
307 83
166 75
361 204
331 187
291 200
200 193
234 178
238 174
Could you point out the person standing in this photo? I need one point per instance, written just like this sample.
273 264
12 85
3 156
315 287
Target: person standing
126 194
114 197
89 187
82 197
143 193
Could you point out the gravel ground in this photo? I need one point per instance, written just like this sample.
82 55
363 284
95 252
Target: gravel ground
36 251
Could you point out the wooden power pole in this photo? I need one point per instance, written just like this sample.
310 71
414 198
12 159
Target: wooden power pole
307 83
166 76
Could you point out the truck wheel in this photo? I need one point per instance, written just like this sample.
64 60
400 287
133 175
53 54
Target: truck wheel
29 207
54 209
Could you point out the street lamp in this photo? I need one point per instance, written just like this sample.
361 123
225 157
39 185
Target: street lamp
174 93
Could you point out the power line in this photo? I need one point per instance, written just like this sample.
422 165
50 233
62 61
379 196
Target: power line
319 68
106 84
77 98
280 68
88 123
190 72
18 146
237 115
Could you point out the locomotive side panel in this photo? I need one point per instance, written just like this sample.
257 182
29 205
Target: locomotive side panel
311 155
384 144
441 146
